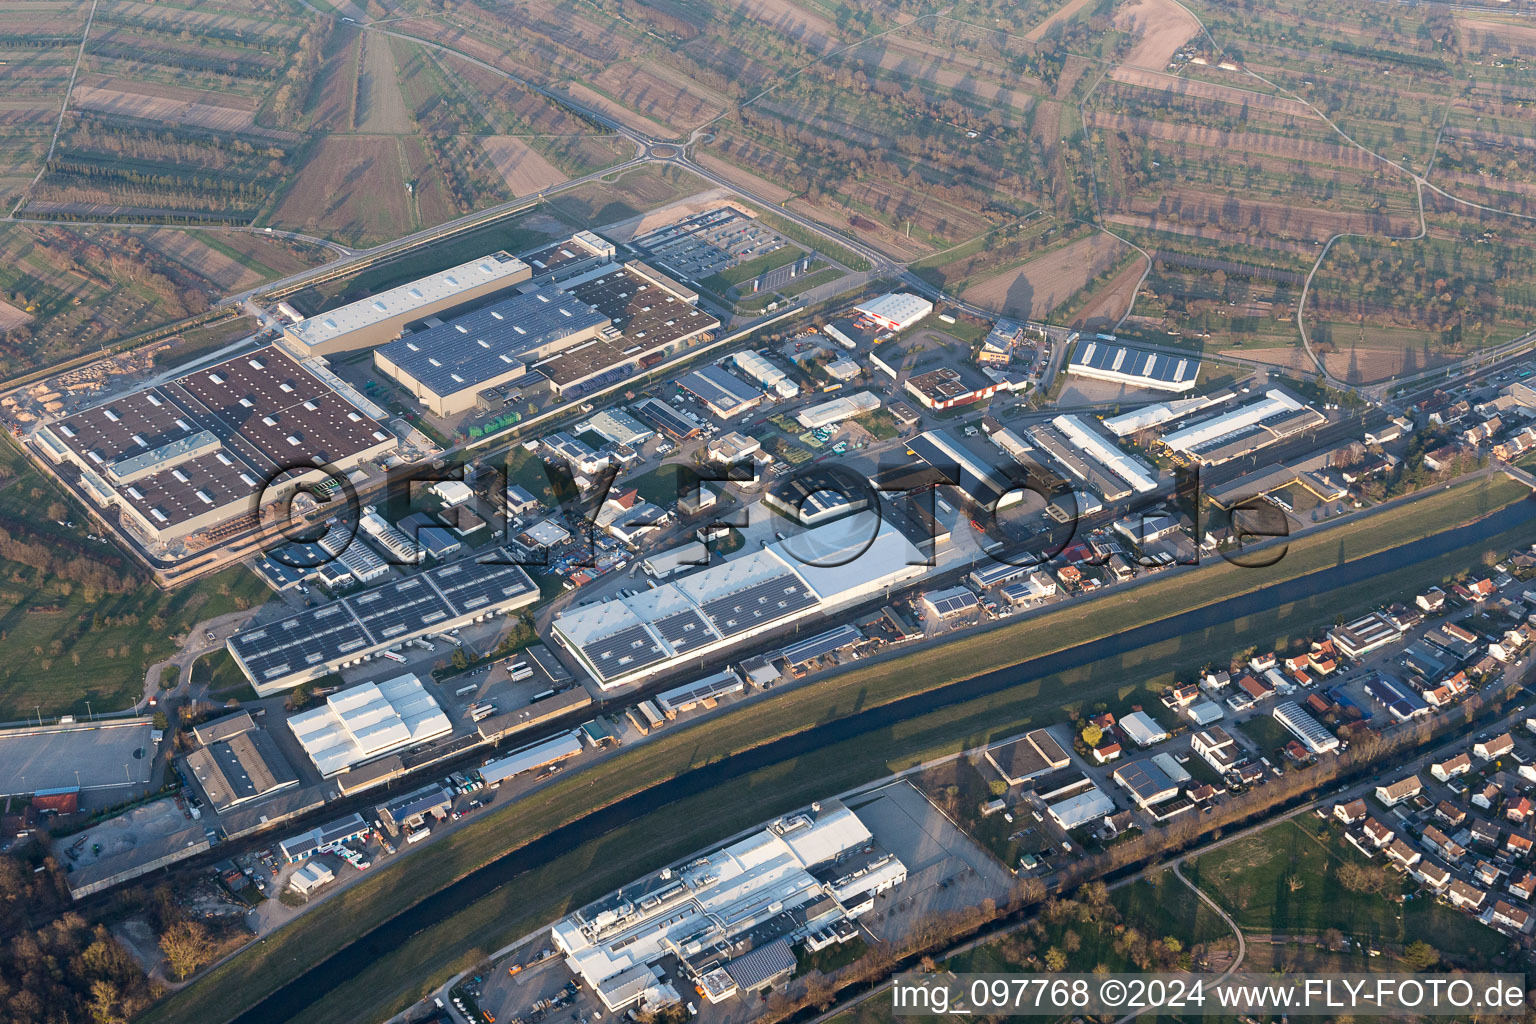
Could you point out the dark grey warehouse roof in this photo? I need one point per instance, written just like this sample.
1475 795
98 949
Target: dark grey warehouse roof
385 614
471 349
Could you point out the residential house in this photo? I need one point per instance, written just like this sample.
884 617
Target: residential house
1465 895
1450 814
1524 887
1518 844
1376 833
1106 753
1352 812
1499 746
1432 600
1485 833
1444 771
1397 792
1487 796
1403 855
1507 915
1519 810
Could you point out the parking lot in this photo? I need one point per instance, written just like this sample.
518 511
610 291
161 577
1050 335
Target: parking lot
708 243
88 755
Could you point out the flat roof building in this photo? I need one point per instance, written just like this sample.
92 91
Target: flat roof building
361 723
238 762
803 878
1110 361
379 318
448 365
1027 757
895 311
980 483
200 450
843 407
1132 470
723 394
627 639
1245 429
1147 783
280 655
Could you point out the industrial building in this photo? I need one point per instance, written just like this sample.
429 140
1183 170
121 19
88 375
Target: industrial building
236 762
949 387
306 645
1305 728
618 427
1141 477
380 318
1149 416
1065 454
701 693
201 449
654 319
361 723
844 407
1142 729
895 311
447 365
1028 757
981 485
1359 637
1146 782
531 758
323 838
1105 359
729 920
762 370
1245 429
950 602
627 639
723 394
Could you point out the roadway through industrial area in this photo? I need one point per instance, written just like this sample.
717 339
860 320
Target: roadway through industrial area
292 998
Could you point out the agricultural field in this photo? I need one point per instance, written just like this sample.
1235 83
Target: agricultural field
265 114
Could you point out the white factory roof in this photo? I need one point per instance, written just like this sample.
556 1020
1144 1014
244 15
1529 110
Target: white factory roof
1142 729
1128 423
1246 415
900 308
363 722
1087 806
406 298
715 897
681 620
838 409
851 557
1129 469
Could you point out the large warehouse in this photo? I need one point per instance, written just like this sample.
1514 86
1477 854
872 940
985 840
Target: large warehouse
380 318
280 655
654 319
895 311
1110 361
729 919
199 450
1245 429
361 723
723 393
1138 474
628 639
448 365
981 484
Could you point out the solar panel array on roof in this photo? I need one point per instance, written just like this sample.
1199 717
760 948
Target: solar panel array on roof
821 644
760 603
1132 362
469 350
725 393
630 648
212 438
952 601
374 618
684 630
